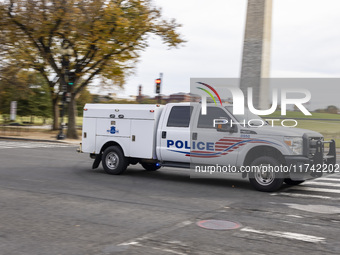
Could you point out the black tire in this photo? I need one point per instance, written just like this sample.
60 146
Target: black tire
267 181
150 166
291 182
114 161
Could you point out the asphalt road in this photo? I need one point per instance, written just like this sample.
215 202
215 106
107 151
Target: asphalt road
52 202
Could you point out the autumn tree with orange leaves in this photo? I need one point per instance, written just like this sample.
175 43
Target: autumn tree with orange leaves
73 41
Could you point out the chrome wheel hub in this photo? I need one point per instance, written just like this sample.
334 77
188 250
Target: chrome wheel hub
264 177
112 160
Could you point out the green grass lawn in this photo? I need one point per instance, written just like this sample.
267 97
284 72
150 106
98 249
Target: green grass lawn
315 115
38 120
329 129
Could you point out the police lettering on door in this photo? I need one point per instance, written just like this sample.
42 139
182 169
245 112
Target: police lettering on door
204 146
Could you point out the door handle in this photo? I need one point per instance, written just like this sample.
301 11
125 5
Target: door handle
163 134
194 136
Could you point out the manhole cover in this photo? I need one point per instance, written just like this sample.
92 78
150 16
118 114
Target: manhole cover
218 224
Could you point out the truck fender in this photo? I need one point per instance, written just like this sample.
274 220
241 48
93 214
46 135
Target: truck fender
98 158
259 151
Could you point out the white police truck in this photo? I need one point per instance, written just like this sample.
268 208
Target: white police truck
179 135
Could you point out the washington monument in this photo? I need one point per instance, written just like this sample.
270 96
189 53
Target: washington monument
256 52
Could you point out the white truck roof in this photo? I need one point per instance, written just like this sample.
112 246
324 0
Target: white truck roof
125 111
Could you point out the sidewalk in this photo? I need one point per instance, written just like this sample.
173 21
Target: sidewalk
37 136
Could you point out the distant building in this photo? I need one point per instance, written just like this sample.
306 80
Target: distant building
111 97
140 96
183 97
179 97
172 98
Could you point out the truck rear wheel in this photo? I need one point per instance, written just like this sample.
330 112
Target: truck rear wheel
150 166
264 179
113 160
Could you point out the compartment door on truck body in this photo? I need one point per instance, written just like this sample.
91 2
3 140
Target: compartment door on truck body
142 138
89 135
117 130
174 133
210 146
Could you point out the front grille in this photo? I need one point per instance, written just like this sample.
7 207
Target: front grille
312 145
314 148
309 145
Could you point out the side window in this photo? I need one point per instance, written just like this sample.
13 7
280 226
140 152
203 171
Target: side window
179 116
207 121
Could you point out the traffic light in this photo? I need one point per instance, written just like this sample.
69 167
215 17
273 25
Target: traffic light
158 85
71 78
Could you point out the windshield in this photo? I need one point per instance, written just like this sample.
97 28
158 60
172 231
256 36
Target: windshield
249 118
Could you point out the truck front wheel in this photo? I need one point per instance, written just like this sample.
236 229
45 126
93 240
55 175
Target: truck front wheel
262 177
113 160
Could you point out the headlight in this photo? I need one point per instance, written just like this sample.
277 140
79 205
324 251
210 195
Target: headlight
294 143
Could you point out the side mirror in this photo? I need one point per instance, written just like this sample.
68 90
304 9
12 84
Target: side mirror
226 128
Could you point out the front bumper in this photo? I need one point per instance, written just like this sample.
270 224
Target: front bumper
302 167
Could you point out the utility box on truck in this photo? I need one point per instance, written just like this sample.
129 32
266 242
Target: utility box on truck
131 126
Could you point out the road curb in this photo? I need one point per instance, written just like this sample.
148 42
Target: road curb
35 140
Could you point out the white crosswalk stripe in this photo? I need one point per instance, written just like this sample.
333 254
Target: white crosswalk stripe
30 145
329 179
327 187
321 183
304 188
